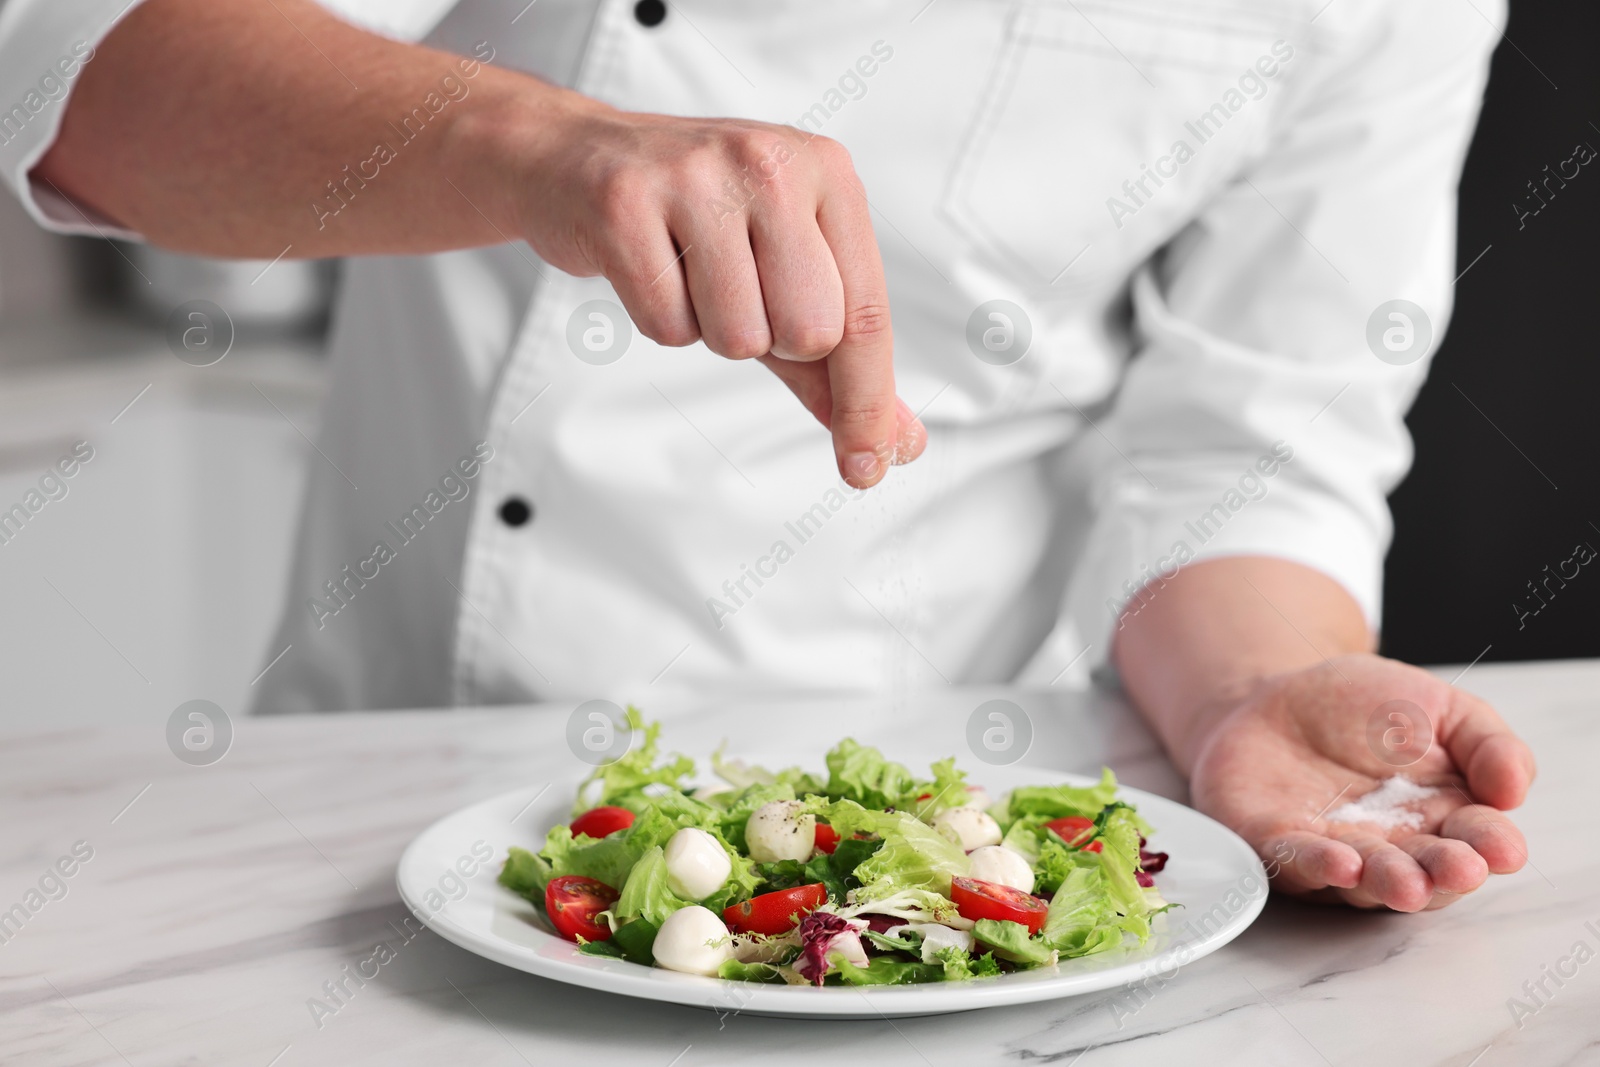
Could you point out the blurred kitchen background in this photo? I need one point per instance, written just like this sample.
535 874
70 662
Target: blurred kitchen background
178 545
172 569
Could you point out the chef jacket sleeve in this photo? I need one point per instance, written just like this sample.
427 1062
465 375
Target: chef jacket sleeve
1255 418
44 47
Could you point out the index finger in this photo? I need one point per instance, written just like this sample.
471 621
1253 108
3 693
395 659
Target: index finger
861 367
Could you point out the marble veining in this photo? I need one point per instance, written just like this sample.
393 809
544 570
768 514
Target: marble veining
224 900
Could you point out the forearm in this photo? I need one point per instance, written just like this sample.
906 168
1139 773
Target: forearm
233 129
1198 643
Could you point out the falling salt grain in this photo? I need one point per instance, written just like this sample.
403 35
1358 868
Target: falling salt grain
1385 805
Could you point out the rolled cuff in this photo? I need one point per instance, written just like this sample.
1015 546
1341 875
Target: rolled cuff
44 47
1142 538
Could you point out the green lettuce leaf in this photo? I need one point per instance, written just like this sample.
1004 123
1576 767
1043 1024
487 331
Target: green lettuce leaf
734 971
1096 898
742 881
861 773
626 777
1010 941
609 859
913 855
635 941
646 894
600 948
741 775
1059 801
836 872
1119 830
1026 835
947 789
900 939
959 965
886 970
1055 861
526 874
1082 920
679 808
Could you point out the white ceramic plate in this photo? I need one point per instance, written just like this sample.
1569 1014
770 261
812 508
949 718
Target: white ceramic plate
1212 873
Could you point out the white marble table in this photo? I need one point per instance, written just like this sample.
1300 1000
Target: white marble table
224 897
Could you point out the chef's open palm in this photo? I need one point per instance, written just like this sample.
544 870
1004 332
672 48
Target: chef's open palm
1305 744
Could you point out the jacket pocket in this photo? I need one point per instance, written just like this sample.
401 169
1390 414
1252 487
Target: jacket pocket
1103 127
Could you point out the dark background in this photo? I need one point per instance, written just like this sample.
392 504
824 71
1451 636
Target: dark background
1497 495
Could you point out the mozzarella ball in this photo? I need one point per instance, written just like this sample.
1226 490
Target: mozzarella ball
697 864
936 937
1001 866
968 827
694 941
780 830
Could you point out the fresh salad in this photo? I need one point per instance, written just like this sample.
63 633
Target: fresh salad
868 875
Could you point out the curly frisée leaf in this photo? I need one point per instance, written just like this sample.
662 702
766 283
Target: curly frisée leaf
735 971
948 789
912 905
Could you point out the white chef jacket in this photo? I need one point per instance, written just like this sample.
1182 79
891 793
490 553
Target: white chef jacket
1191 310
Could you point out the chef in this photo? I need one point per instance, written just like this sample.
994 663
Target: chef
854 345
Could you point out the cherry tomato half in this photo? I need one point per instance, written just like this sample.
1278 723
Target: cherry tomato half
598 822
976 899
572 902
777 912
827 838
1075 828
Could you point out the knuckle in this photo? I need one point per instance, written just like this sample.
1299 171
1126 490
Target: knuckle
831 153
749 146
619 194
867 322
808 343
742 345
668 330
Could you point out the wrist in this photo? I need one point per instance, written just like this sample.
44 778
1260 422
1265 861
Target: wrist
504 154
1186 734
